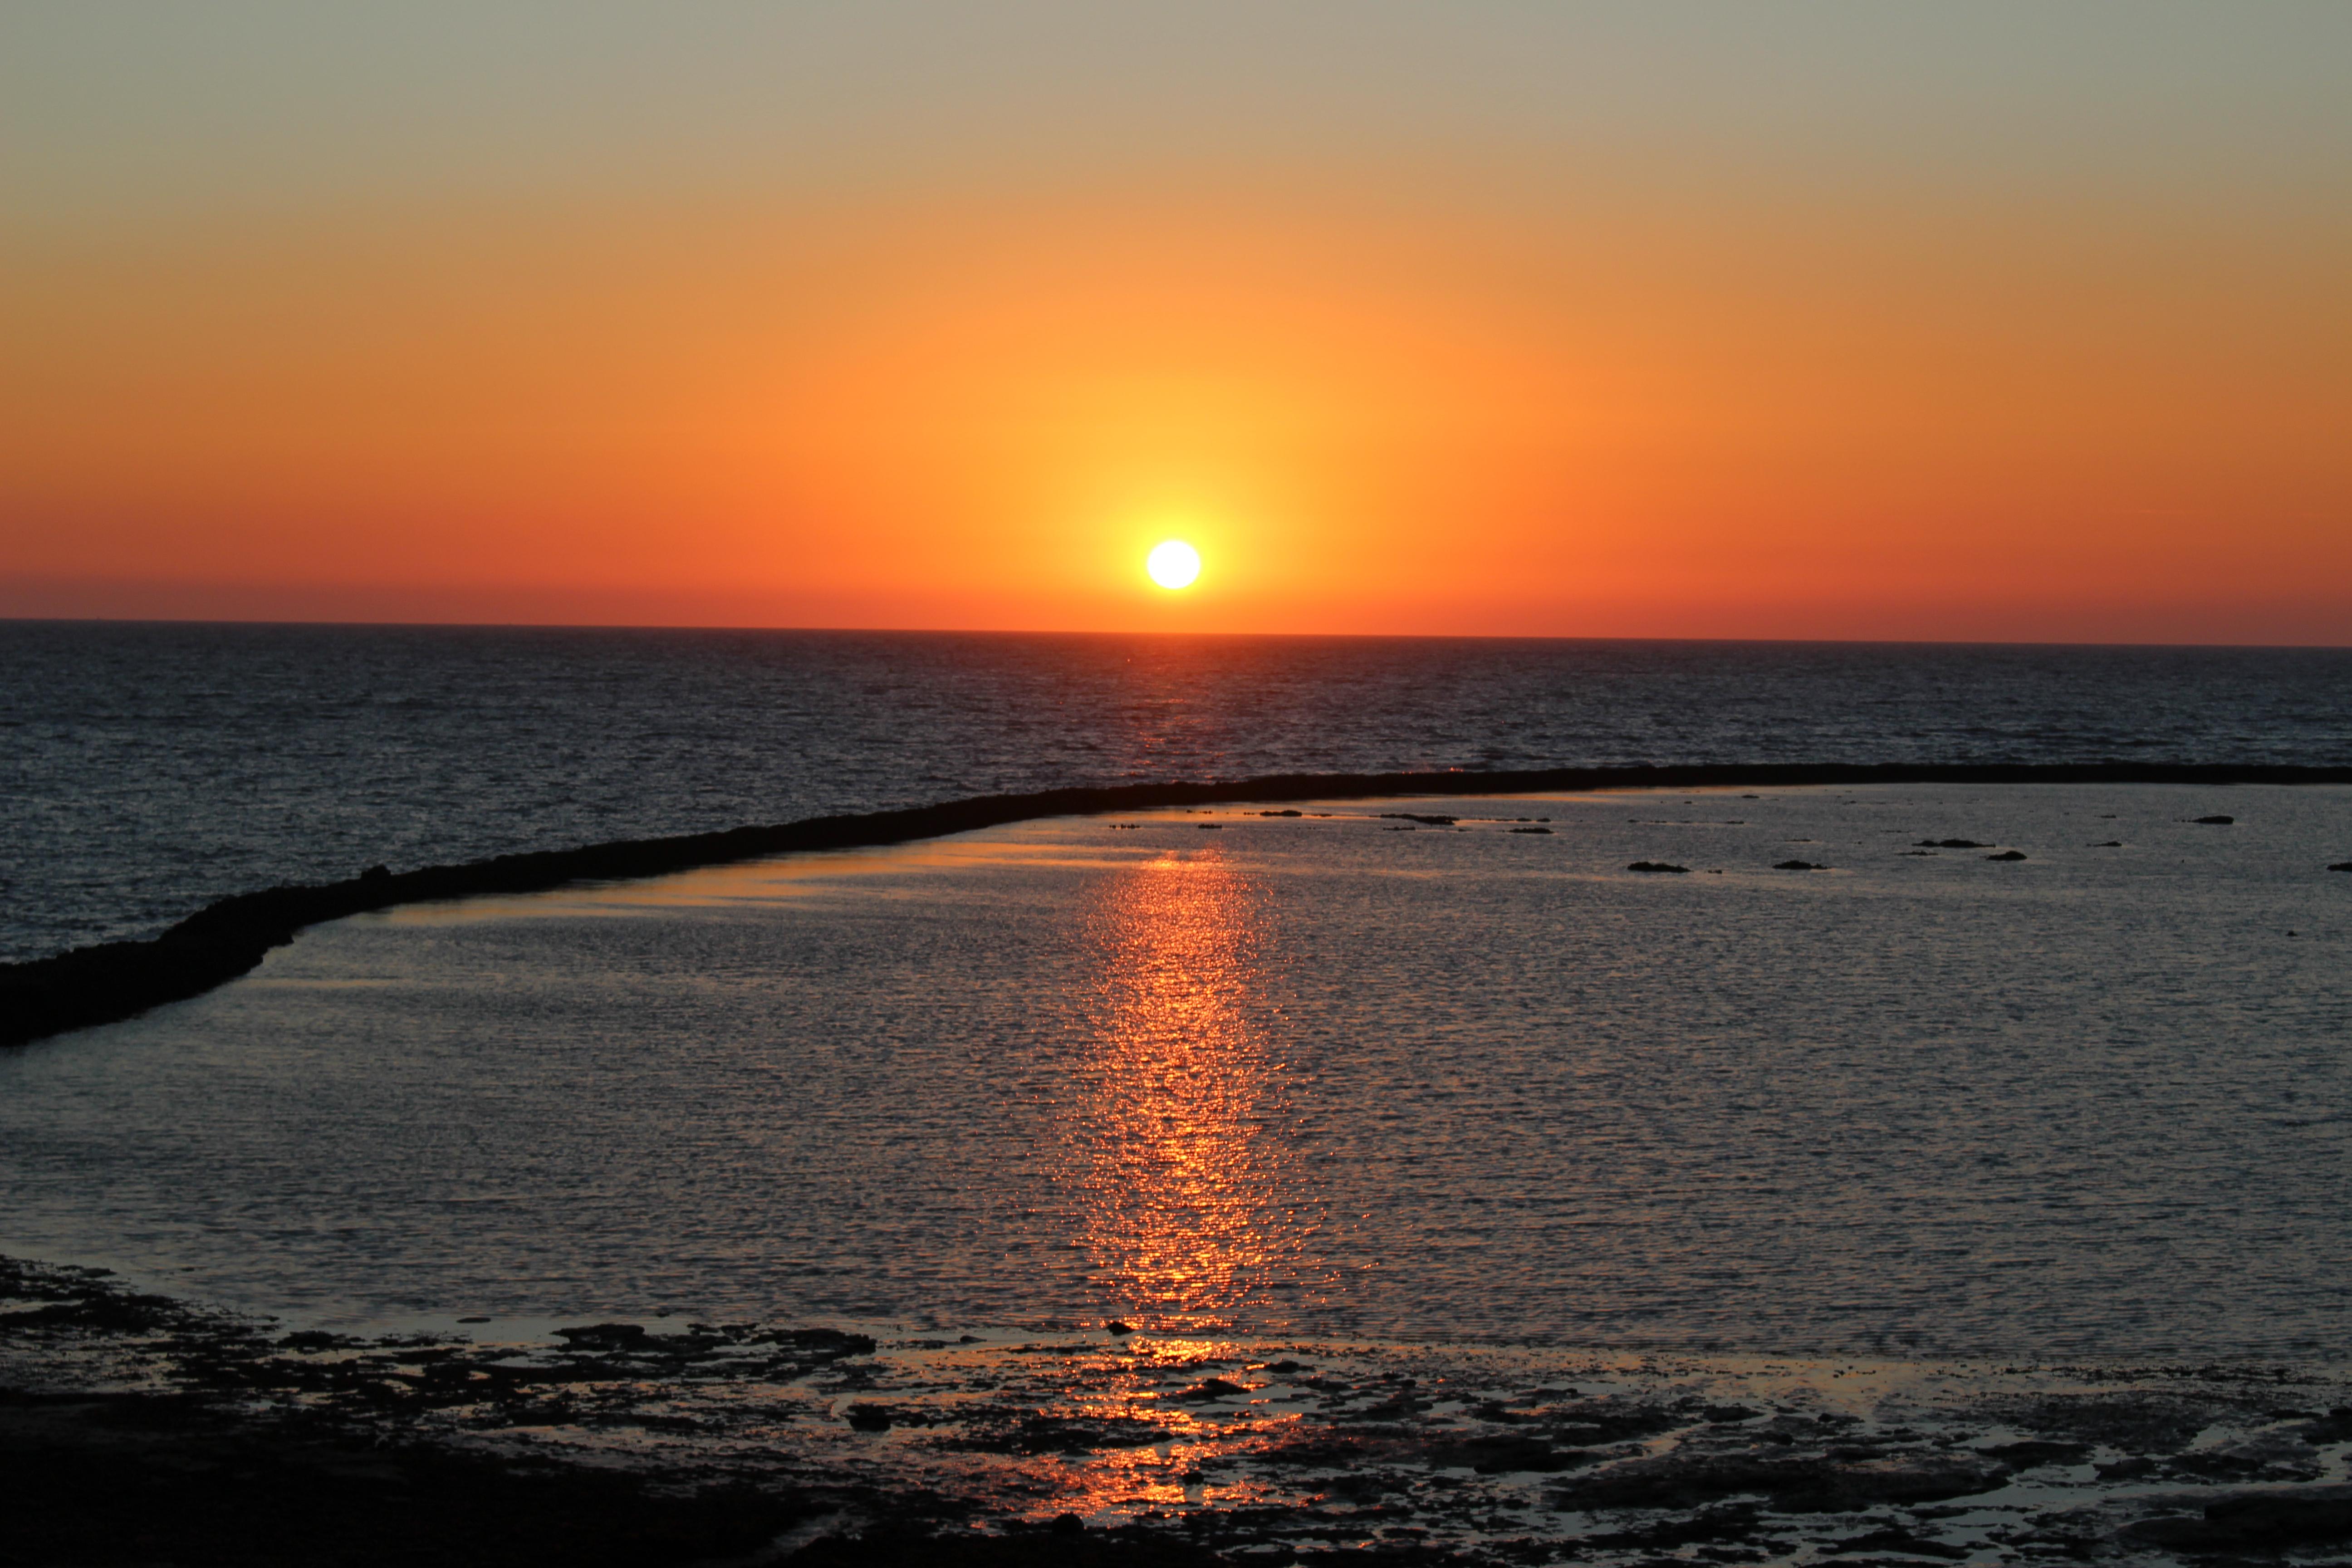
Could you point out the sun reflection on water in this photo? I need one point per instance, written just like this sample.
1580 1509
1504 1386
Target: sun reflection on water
1195 1203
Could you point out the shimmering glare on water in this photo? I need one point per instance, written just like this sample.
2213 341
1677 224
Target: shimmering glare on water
1349 1075
1178 1141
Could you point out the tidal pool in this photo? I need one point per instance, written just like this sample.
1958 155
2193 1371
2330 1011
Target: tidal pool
1344 1073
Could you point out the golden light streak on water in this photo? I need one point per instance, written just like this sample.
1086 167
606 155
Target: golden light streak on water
1194 1202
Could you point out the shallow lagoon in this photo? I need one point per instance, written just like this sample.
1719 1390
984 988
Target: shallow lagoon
1312 1076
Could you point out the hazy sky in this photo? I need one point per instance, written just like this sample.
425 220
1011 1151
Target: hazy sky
1841 320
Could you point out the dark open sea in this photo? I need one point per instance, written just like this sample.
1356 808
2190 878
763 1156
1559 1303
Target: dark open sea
146 770
1480 1172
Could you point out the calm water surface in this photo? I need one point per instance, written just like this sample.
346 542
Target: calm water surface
1327 1074
148 770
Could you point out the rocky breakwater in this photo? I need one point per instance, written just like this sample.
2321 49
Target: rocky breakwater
112 980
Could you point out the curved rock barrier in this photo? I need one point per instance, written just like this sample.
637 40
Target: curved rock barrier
112 980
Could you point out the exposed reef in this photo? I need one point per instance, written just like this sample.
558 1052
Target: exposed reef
113 981
140 1429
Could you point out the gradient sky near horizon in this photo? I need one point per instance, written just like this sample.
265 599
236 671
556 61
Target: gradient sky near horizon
1988 320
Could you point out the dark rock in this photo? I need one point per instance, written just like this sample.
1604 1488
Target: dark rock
1589 1426
1737 1522
1116 1329
2336 1426
916 1543
153 1480
1211 826
1902 1541
2027 1455
2258 1520
2108 844
867 1417
1797 866
1952 843
1068 1524
112 980
1285 812
2211 1467
1208 1389
2007 855
1504 1453
2135 1423
821 1344
373 872
2341 866
1416 817
604 1337
2214 821
1327 1449
1655 865
1789 1485
1543 831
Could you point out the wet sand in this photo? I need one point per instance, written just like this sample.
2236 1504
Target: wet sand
139 1428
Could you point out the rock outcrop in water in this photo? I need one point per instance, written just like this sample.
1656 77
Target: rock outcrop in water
118 980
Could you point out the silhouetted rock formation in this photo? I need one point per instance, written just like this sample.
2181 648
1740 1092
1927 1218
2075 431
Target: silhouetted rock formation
117 980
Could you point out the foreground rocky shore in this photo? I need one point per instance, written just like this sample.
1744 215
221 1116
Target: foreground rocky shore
135 1428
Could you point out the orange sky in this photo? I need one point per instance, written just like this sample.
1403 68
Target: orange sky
1516 400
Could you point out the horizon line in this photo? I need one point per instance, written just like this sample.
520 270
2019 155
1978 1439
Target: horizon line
1132 632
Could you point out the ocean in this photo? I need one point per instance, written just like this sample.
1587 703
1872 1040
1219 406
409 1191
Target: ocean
1462 1171
146 770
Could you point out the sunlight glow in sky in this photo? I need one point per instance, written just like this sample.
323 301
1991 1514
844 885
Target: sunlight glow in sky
2003 321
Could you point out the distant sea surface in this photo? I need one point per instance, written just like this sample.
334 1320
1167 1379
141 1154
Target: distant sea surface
146 770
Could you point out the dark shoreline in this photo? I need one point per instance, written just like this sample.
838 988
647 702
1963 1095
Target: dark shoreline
110 982
138 1428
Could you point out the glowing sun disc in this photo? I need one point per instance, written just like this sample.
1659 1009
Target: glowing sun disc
1174 565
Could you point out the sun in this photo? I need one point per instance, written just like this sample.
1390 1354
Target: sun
1174 565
